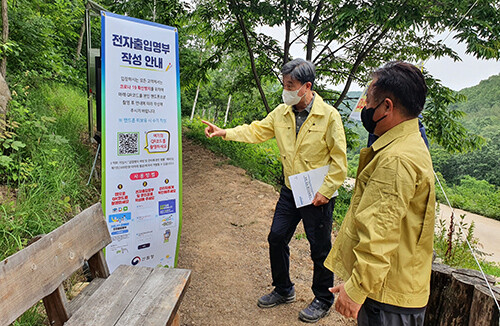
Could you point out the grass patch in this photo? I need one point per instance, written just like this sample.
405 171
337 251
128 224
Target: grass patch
44 176
48 173
261 161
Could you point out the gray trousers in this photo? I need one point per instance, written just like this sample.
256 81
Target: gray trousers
374 313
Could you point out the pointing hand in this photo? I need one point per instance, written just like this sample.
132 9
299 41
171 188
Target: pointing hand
212 130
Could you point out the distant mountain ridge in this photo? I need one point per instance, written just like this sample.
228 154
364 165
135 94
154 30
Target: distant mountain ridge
482 106
482 109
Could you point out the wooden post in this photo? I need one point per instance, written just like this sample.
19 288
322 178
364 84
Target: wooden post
195 100
56 307
98 266
457 300
227 109
461 297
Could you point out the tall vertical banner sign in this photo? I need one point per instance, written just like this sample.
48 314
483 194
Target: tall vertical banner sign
141 141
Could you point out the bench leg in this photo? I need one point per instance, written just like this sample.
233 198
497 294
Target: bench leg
177 320
98 266
56 307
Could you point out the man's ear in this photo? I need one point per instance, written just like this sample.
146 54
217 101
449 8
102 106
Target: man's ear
389 104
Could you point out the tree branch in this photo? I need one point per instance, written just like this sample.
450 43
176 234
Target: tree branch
359 59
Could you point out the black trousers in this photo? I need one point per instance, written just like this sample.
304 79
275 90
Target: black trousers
317 222
374 313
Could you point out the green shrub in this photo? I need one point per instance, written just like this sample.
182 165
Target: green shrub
342 203
472 195
261 161
47 173
460 254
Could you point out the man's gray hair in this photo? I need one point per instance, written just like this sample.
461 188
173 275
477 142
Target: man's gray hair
301 70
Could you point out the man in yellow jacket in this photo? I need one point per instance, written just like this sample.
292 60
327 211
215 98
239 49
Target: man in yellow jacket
309 134
383 250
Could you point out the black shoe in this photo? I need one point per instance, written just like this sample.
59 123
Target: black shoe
314 312
274 298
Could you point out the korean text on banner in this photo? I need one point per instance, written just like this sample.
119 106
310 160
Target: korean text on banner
141 157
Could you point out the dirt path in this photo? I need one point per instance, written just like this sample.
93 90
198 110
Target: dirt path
226 219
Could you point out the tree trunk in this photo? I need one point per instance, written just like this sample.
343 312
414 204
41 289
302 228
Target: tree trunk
460 297
252 59
80 43
227 109
288 26
312 29
5 35
483 310
154 10
198 87
195 100
440 280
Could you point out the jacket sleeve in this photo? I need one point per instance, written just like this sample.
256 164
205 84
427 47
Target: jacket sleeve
337 172
256 132
378 225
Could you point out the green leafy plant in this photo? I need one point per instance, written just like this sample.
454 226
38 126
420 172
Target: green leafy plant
475 196
456 253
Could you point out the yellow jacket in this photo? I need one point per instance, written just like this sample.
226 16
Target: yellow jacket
320 141
384 247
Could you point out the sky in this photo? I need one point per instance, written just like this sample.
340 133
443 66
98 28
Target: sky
461 74
455 75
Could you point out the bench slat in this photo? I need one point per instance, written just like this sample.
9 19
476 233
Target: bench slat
37 271
158 299
82 297
109 302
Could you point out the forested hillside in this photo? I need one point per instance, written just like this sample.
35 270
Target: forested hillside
482 116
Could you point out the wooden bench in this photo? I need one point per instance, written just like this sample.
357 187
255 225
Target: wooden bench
129 296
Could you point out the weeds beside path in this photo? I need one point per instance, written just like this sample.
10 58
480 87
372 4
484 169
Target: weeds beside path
486 229
226 219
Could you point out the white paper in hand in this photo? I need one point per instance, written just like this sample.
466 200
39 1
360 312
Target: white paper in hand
305 185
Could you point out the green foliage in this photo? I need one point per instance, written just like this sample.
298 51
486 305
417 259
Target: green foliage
347 41
342 203
482 116
472 195
46 34
260 160
443 122
46 176
352 164
167 12
31 317
300 236
460 254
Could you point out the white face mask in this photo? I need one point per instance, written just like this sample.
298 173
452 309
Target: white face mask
292 97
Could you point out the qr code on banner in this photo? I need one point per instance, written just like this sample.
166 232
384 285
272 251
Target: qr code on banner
128 143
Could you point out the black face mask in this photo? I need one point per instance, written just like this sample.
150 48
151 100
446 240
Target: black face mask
367 118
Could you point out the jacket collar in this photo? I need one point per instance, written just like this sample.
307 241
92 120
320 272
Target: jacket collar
398 131
317 108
